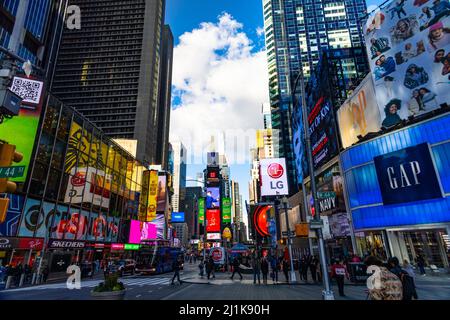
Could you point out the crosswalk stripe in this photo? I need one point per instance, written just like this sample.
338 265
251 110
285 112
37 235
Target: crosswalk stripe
93 283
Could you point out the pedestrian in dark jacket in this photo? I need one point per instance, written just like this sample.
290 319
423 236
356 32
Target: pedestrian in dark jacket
313 268
18 274
176 268
285 267
201 266
236 268
409 289
264 269
421 264
275 265
210 268
256 265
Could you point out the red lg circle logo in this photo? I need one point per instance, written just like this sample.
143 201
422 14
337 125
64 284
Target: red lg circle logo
79 179
275 170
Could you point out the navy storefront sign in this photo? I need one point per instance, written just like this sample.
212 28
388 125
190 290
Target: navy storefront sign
365 198
407 175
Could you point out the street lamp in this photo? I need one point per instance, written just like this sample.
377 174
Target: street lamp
327 293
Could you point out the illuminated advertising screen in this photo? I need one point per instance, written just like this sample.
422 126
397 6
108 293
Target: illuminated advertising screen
21 130
178 217
201 211
160 223
226 210
408 45
140 231
213 198
322 132
162 193
213 220
152 196
213 236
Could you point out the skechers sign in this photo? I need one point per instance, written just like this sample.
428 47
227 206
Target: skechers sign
274 177
408 175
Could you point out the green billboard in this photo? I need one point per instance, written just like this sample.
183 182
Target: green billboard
21 131
226 210
201 211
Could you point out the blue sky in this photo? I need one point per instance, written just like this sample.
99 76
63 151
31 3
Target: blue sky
186 16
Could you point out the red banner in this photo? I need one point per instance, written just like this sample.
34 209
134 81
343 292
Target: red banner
213 220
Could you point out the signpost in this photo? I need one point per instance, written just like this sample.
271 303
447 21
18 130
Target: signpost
12 172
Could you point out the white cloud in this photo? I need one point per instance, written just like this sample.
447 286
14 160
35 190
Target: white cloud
260 31
221 83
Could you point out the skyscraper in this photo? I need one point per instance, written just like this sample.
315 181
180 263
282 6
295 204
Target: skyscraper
42 21
179 173
111 70
296 32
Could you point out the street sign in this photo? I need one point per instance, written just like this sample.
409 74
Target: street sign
316 224
284 233
12 172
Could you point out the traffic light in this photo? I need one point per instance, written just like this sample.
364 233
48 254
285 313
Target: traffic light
8 155
4 202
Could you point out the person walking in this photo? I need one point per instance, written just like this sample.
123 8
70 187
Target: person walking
45 273
236 268
285 267
18 273
256 265
306 264
27 272
410 271
407 281
176 268
421 264
339 272
385 284
2 273
275 265
213 267
313 268
264 269
201 266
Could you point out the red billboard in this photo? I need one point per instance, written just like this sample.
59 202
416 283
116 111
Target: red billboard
213 220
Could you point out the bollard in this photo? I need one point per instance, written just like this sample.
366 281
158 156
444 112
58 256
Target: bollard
8 282
22 278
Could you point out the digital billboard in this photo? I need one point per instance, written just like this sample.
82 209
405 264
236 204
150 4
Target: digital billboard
322 132
162 193
201 211
213 220
213 198
178 217
21 130
330 191
160 223
263 222
359 115
226 210
408 45
152 196
60 222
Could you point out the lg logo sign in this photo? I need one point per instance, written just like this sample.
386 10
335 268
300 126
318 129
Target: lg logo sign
273 177
275 171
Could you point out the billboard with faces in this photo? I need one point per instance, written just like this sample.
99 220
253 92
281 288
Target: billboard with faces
408 44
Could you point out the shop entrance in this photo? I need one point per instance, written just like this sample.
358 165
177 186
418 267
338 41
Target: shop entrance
430 244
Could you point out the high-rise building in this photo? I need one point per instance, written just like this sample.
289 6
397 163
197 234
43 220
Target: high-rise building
296 32
179 173
182 232
189 205
111 70
32 30
162 141
235 203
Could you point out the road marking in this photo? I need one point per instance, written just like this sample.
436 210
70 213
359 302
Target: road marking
139 295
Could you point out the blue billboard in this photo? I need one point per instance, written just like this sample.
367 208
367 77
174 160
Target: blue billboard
365 188
178 217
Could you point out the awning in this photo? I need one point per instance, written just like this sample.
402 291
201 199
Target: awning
239 247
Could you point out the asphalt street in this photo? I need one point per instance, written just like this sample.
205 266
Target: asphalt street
222 288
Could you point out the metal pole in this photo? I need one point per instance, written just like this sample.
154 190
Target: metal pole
292 273
327 293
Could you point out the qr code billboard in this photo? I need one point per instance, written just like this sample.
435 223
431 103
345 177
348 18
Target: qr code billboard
29 90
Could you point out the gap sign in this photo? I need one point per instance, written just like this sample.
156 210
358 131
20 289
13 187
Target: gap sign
408 175
274 177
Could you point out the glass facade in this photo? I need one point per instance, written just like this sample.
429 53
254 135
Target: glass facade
36 21
297 31
82 186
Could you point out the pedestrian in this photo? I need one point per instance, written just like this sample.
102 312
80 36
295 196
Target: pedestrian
264 269
236 268
409 290
106 269
275 265
339 272
201 266
385 284
313 268
285 267
18 273
256 265
421 264
176 268
27 272
213 267
209 268
306 262
410 271
3 270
